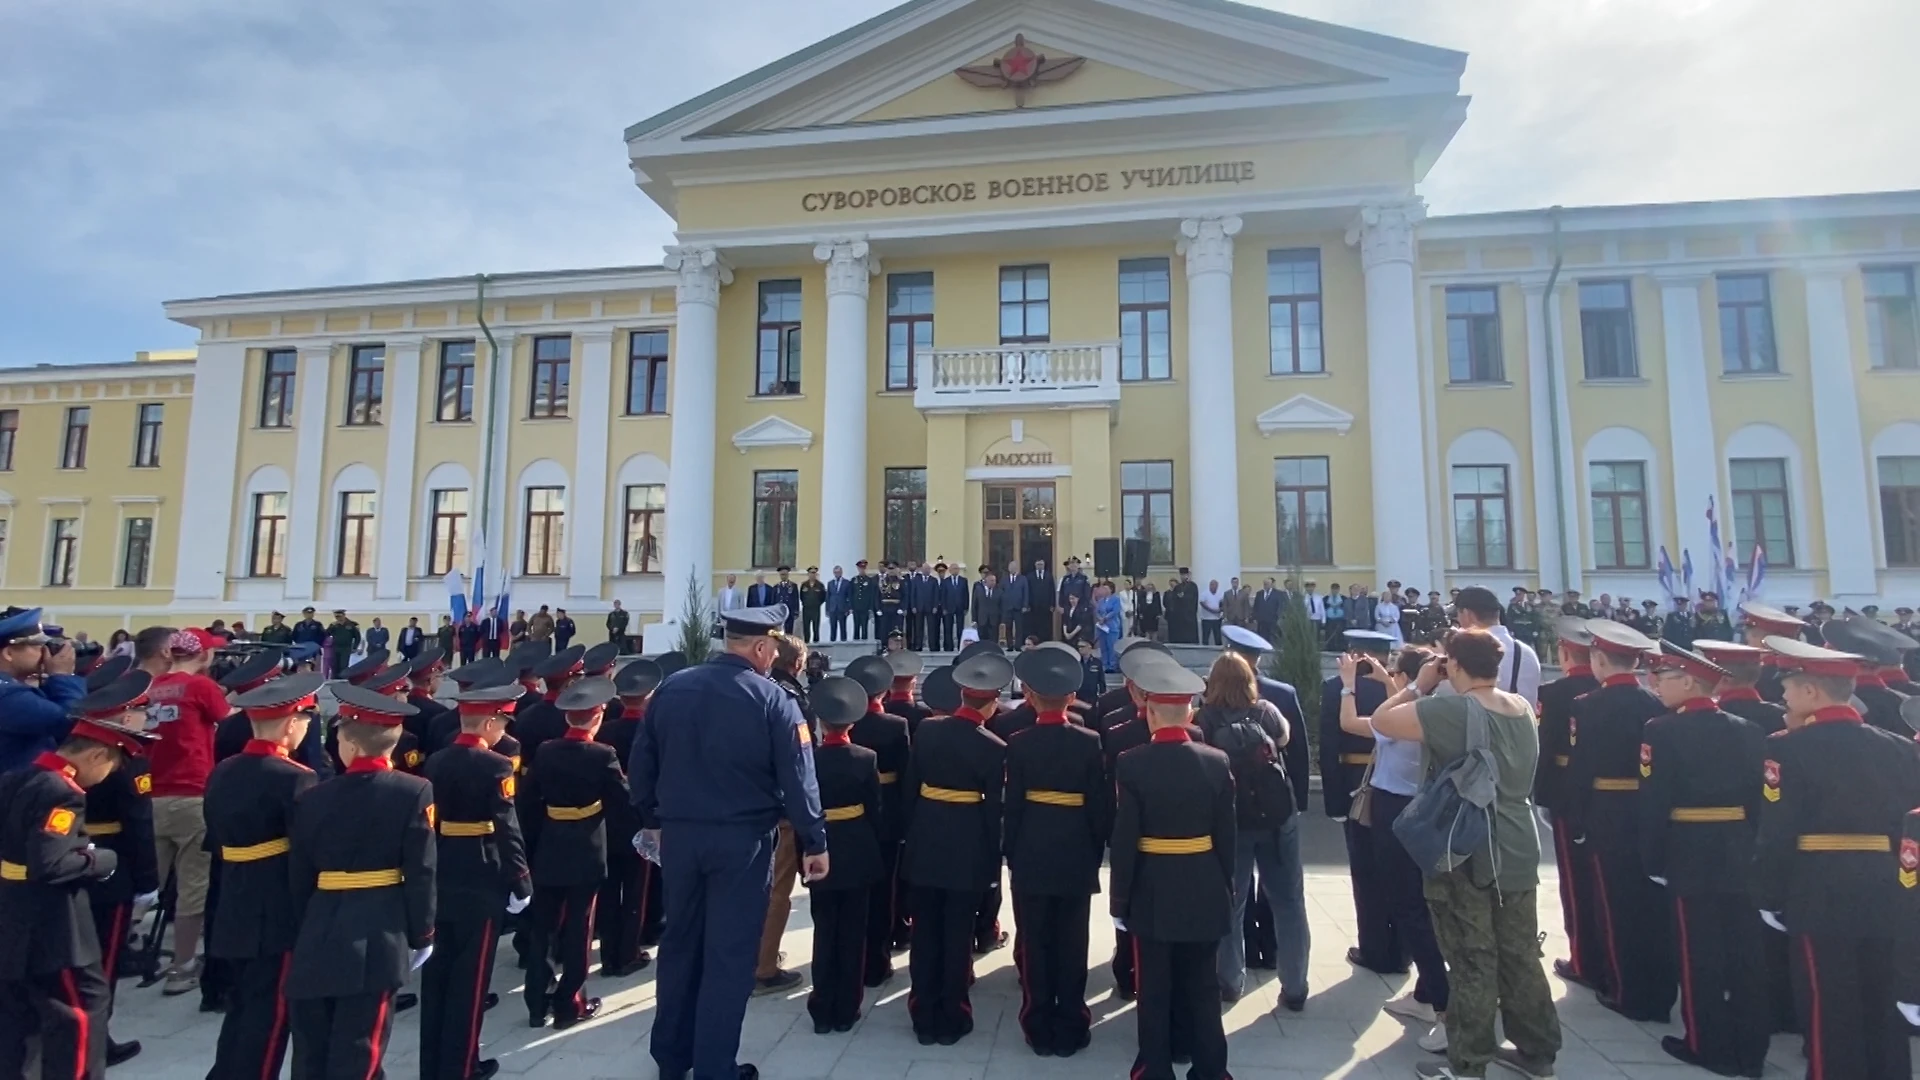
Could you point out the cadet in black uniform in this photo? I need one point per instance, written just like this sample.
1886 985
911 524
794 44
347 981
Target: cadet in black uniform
410 753
1119 736
884 733
120 819
481 870
1172 877
851 800
907 667
1759 622
630 897
50 979
1908 875
1880 646
1836 793
423 675
446 726
954 782
363 863
1059 815
1738 694
1699 811
1586 963
1344 758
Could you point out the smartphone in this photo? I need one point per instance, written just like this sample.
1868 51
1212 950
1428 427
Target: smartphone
1363 668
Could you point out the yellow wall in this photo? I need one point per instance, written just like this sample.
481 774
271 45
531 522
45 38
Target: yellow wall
1499 407
948 95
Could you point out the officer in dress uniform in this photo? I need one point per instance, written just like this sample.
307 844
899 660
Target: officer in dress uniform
954 782
630 897
1059 815
1879 645
1579 910
786 594
1344 758
1172 877
1835 793
51 984
885 733
1758 622
120 819
482 871
1699 811
363 879
723 756
857 833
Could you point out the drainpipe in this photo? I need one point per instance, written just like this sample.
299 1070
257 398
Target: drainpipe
1553 401
495 368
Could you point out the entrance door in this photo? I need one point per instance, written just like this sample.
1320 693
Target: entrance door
1020 522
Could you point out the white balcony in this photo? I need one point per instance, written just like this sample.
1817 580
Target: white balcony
1019 377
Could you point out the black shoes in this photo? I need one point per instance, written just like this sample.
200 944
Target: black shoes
588 1010
484 1068
1564 970
634 967
403 1002
1358 959
1294 1004
983 946
118 1052
780 983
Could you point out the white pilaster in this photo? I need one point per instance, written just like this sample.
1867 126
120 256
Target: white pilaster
1401 545
1213 473
304 516
589 404
696 358
207 495
843 443
1696 452
496 413
1556 511
401 414
1842 458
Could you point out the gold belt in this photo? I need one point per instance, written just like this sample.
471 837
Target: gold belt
255 852
1698 815
1845 842
1057 798
349 880
1191 845
949 795
1562 760
889 777
12 871
1356 759
103 828
574 813
1606 783
844 813
466 828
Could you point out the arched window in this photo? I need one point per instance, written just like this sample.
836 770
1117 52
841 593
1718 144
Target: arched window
446 518
641 488
1624 510
1896 465
1763 472
262 548
543 519
1483 481
356 513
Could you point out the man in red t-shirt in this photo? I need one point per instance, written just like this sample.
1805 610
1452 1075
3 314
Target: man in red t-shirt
185 706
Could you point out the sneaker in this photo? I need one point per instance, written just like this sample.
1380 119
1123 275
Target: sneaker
1406 1008
182 980
1435 1040
1439 1070
1514 1060
776 983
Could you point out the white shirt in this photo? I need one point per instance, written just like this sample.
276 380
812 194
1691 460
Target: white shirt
1210 602
731 598
1316 607
1528 685
1386 619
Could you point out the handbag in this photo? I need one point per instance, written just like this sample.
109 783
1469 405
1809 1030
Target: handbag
1360 811
1450 818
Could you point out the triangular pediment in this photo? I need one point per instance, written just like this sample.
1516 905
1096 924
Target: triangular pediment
1304 412
772 432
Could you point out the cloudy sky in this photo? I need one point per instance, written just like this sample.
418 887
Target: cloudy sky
153 149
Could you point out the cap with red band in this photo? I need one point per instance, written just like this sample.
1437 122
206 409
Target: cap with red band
495 697
1797 657
1619 639
280 698
1673 657
1771 619
361 705
109 702
1730 652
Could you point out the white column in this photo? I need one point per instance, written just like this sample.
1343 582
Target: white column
1838 444
401 414
1213 470
496 413
1401 545
208 493
843 442
304 520
1556 507
1696 451
696 358
589 404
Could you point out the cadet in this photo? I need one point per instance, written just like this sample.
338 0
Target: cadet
1908 876
481 869
907 666
423 675
231 736
955 779
537 722
630 896
1760 622
857 833
1744 666
50 978
1059 814
1172 877
1579 908
1699 810
1344 759
1122 734
363 878
446 726
1880 646
884 733
568 789
120 819
409 754
723 756
1836 793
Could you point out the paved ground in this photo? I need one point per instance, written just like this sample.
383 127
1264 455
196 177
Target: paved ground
1342 1033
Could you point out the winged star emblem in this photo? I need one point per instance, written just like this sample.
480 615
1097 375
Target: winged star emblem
1020 69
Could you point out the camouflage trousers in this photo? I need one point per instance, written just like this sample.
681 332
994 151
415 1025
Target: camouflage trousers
1491 941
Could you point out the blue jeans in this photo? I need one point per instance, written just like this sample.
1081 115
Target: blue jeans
1277 852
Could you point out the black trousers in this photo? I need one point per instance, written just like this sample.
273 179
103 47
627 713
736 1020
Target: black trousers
257 1025
986 920
860 622
941 963
839 955
1179 1001
1403 890
1380 945
1256 929
68 1010
1125 978
342 1038
810 624
628 896
559 937
885 921
1050 955
1638 929
837 626
453 994
1845 988
956 625
1580 909
1040 624
902 904
1724 996
110 927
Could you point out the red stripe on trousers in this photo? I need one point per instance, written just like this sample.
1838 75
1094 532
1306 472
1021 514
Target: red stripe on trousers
1606 922
118 936
1816 1051
479 998
269 1062
81 1022
376 1049
1686 978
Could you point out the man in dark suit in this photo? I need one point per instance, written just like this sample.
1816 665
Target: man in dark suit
952 605
760 594
989 602
839 604
1266 611
1040 602
922 616
411 638
1013 606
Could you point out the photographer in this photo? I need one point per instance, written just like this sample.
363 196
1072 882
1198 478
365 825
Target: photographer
37 686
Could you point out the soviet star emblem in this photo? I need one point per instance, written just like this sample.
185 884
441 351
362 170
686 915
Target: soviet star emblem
1020 69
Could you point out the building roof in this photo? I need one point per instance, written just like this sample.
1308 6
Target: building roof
426 283
1784 210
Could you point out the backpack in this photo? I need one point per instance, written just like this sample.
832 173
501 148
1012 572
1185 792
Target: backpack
1451 817
1262 793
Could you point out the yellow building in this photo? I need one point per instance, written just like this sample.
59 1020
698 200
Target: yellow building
993 280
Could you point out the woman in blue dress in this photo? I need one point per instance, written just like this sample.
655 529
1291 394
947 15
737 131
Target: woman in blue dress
1107 622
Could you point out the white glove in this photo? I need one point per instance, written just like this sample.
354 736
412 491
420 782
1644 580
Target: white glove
420 957
1660 881
517 904
1911 1012
146 900
1340 820
1545 816
1578 839
1772 918
1119 924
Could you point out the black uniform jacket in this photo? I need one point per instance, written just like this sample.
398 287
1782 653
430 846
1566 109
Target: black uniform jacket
120 819
535 724
1174 791
46 923
1748 705
423 723
1882 707
1344 757
1907 986
884 733
1604 736
617 729
907 709
1699 806
1059 809
250 805
850 796
954 781
1113 707
1556 708
570 788
370 820
481 858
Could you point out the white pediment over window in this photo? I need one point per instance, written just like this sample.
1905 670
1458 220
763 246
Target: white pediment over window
1304 412
772 432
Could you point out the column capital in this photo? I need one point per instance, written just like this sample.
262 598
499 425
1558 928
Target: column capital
851 265
1384 232
1207 243
702 271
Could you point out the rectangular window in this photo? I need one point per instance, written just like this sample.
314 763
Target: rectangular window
1146 316
1294 345
1746 324
906 515
1762 513
1481 540
64 553
1025 305
778 370
545 532
1606 330
366 384
909 326
647 373
456 381
1473 335
1900 509
448 532
73 449
136 553
1893 325
1619 493
9 430
267 556
6 526
146 436
1303 509
276 388
355 558
776 505
1146 507
646 527
552 370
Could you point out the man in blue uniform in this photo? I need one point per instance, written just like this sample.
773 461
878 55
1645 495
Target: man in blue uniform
723 756
1343 762
37 687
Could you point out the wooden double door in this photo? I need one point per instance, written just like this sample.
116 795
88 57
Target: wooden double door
1021 521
